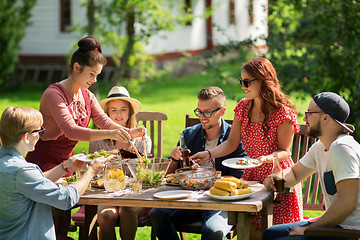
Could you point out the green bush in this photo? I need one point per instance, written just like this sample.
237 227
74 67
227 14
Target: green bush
315 47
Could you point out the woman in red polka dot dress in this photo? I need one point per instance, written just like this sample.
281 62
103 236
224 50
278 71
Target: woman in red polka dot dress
265 120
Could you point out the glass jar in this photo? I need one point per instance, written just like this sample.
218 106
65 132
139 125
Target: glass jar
114 179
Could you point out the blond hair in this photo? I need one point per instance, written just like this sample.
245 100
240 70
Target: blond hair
16 121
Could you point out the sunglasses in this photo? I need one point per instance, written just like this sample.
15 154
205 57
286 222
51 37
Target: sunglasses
40 131
246 82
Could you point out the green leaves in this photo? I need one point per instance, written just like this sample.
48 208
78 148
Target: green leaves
314 46
14 17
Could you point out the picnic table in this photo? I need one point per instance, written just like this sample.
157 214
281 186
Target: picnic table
239 210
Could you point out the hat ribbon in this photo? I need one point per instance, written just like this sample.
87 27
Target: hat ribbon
118 95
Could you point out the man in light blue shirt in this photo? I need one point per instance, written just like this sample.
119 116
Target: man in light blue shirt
27 193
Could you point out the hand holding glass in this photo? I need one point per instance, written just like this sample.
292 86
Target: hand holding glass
278 173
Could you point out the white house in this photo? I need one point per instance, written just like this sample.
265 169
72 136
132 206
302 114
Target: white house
47 41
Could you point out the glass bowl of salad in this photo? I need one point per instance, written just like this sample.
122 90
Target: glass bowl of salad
200 178
150 172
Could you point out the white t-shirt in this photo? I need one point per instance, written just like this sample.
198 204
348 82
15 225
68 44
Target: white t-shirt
342 161
209 145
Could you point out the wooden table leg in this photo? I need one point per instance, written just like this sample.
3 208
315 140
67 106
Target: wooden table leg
266 217
243 226
90 213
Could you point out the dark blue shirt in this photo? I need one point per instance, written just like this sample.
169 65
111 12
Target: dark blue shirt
195 140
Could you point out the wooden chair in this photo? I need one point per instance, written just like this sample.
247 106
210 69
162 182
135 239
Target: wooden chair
197 226
312 196
148 119
332 232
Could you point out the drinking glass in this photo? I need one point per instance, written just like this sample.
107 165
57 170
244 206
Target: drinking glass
135 185
278 173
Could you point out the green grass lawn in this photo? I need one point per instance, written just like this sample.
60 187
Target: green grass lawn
174 96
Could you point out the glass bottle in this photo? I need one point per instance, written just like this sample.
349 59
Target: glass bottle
278 174
114 175
185 151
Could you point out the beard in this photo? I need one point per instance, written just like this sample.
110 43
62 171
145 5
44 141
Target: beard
315 131
208 127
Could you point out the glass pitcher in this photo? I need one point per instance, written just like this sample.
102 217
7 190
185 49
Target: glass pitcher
114 178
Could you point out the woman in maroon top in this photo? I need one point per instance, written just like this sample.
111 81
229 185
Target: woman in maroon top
67 107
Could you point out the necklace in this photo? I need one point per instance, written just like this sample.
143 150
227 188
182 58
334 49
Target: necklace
76 97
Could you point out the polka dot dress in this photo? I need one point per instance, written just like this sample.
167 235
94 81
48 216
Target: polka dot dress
290 208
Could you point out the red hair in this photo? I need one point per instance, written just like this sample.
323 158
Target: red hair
272 96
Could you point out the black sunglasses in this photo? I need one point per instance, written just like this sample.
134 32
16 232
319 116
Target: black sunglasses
205 114
40 131
246 82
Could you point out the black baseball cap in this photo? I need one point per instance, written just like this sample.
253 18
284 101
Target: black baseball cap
334 105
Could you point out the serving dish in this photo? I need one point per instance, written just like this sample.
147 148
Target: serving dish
151 174
227 198
200 178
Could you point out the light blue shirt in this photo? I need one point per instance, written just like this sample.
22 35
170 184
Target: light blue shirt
26 198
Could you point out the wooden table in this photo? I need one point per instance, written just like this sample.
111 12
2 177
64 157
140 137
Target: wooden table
239 211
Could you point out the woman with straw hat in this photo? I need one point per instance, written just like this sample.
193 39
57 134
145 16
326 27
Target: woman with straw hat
121 108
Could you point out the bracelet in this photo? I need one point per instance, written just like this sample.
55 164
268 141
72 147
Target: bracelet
175 160
209 154
65 167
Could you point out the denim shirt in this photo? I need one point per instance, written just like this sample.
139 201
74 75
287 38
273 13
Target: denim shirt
26 196
195 140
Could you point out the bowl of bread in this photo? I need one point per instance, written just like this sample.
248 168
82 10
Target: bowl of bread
200 178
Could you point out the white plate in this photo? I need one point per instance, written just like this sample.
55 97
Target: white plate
253 183
84 158
231 163
227 198
173 194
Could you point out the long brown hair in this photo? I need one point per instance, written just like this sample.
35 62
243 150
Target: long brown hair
272 96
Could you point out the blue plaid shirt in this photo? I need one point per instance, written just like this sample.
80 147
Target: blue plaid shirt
26 196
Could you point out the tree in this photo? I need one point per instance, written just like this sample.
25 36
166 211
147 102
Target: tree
315 46
127 25
14 15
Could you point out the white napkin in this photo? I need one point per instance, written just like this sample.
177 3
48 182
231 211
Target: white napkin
119 193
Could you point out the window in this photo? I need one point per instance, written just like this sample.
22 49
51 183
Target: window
251 12
188 11
65 15
231 12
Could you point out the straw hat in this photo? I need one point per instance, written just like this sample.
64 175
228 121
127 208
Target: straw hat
120 93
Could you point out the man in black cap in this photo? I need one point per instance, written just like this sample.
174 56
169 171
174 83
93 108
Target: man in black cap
336 157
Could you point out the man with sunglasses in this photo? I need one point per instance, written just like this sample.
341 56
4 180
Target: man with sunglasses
211 131
336 158
27 193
